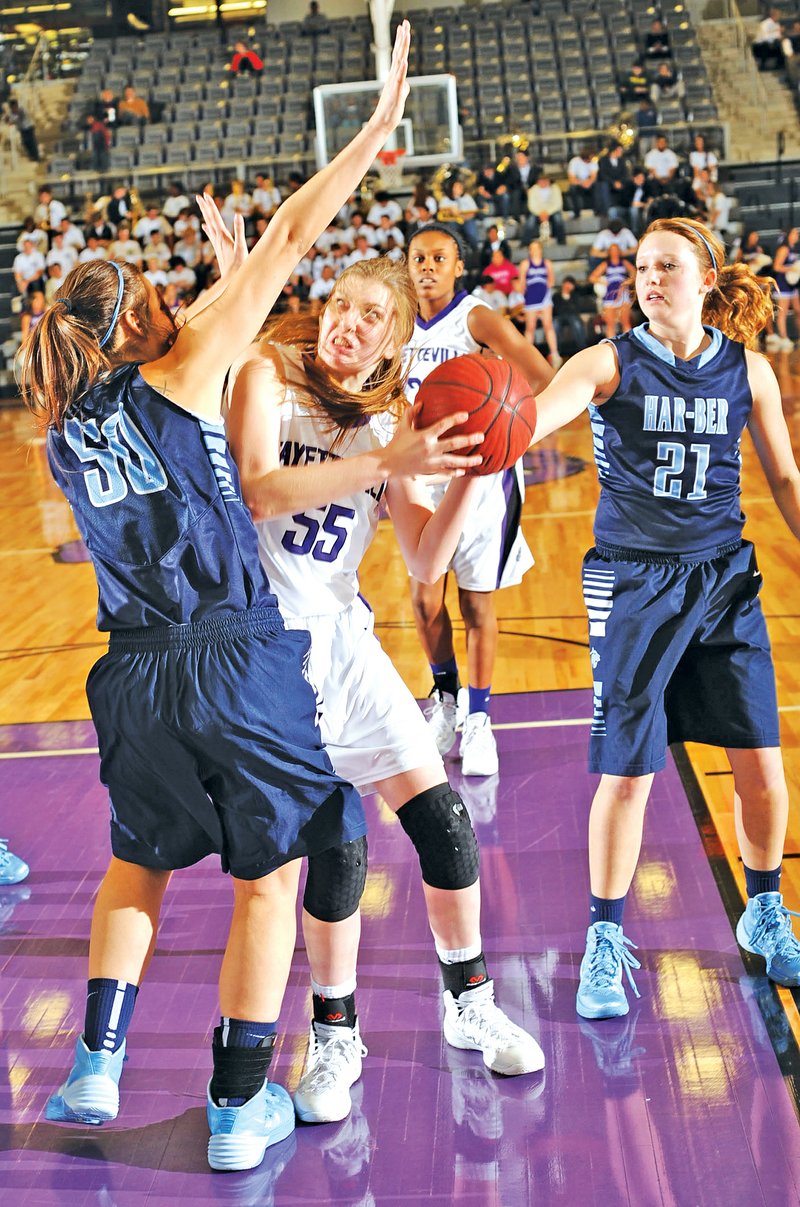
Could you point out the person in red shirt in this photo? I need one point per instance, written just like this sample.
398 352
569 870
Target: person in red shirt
245 60
502 270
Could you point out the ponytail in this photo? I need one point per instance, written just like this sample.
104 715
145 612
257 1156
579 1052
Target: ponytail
739 304
62 357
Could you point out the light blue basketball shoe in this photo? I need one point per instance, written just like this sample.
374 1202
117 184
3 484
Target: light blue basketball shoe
91 1092
12 868
601 993
240 1135
765 929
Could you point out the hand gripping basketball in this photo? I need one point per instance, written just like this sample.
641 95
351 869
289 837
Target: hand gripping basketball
497 399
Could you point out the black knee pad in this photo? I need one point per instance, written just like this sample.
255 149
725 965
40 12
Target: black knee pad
335 881
438 824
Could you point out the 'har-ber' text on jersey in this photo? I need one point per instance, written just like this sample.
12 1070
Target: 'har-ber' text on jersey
312 558
156 496
667 447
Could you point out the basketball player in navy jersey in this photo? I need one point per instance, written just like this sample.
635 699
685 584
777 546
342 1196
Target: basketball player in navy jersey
492 551
322 437
784 273
678 642
205 719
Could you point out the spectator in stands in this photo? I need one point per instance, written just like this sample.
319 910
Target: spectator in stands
767 47
662 162
382 204
545 209
99 138
634 86
171 297
238 201
322 288
245 61
614 235
791 53
719 209
186 218
20 119
458 206
155 271
502 270
37 236
28 267
387 230
613 173
785 275
646 117
491 243
491 192
53 282
748 250
102 231
156 247
175 202
50 212
314 22
361 251
703 190
94 250
60 253
152 221
125 248
266 196
637 196
518 176
120 207
656 43
701 158
32 311
359 226
582 175
568 322
106 108
133 109
189 248
181 276
667 83
423 198
488 292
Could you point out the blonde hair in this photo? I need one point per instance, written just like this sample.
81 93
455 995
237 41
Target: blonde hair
61 358
383 390
740 304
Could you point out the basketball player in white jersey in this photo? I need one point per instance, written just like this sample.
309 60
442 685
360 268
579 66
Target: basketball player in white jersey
492 551
321 433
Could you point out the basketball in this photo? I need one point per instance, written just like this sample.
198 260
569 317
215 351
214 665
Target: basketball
499 402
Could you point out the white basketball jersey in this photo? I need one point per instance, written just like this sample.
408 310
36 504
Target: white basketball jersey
312 558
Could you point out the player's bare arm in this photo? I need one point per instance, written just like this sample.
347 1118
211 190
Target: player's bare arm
772 441
588 377
497 333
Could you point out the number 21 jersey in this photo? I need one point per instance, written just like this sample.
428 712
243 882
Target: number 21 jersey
667 447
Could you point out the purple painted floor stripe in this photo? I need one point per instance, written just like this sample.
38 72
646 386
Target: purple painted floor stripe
681 1103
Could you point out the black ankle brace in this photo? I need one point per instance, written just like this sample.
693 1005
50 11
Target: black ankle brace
239 1072
468 974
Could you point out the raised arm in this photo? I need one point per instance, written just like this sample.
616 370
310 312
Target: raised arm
772 441
498 333
192 372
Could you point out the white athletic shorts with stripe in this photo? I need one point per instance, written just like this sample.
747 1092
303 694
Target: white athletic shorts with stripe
371 725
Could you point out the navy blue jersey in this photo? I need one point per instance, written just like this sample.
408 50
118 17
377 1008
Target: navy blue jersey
156 496
667 447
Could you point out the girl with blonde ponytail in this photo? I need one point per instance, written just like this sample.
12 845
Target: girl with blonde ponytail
679 646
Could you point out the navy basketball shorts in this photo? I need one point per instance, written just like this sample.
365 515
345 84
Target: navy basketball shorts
679 653
209 743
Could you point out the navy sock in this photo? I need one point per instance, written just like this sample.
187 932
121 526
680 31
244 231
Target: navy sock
242 1051
479 698
606 909
445 676
762 882
109 1009
335 1011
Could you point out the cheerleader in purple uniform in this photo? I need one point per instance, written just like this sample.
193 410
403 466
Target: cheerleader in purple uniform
535 282
615 275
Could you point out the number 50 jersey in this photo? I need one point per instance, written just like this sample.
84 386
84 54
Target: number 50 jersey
667 447
312 558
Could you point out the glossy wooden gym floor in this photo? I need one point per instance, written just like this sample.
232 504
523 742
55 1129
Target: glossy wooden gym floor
47 644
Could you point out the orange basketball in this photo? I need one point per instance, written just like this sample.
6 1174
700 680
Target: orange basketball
499 402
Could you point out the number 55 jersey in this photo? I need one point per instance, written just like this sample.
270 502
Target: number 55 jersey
312 558
667 447
156 497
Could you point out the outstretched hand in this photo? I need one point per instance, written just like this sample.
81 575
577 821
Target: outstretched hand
230 250
392 100
430 451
